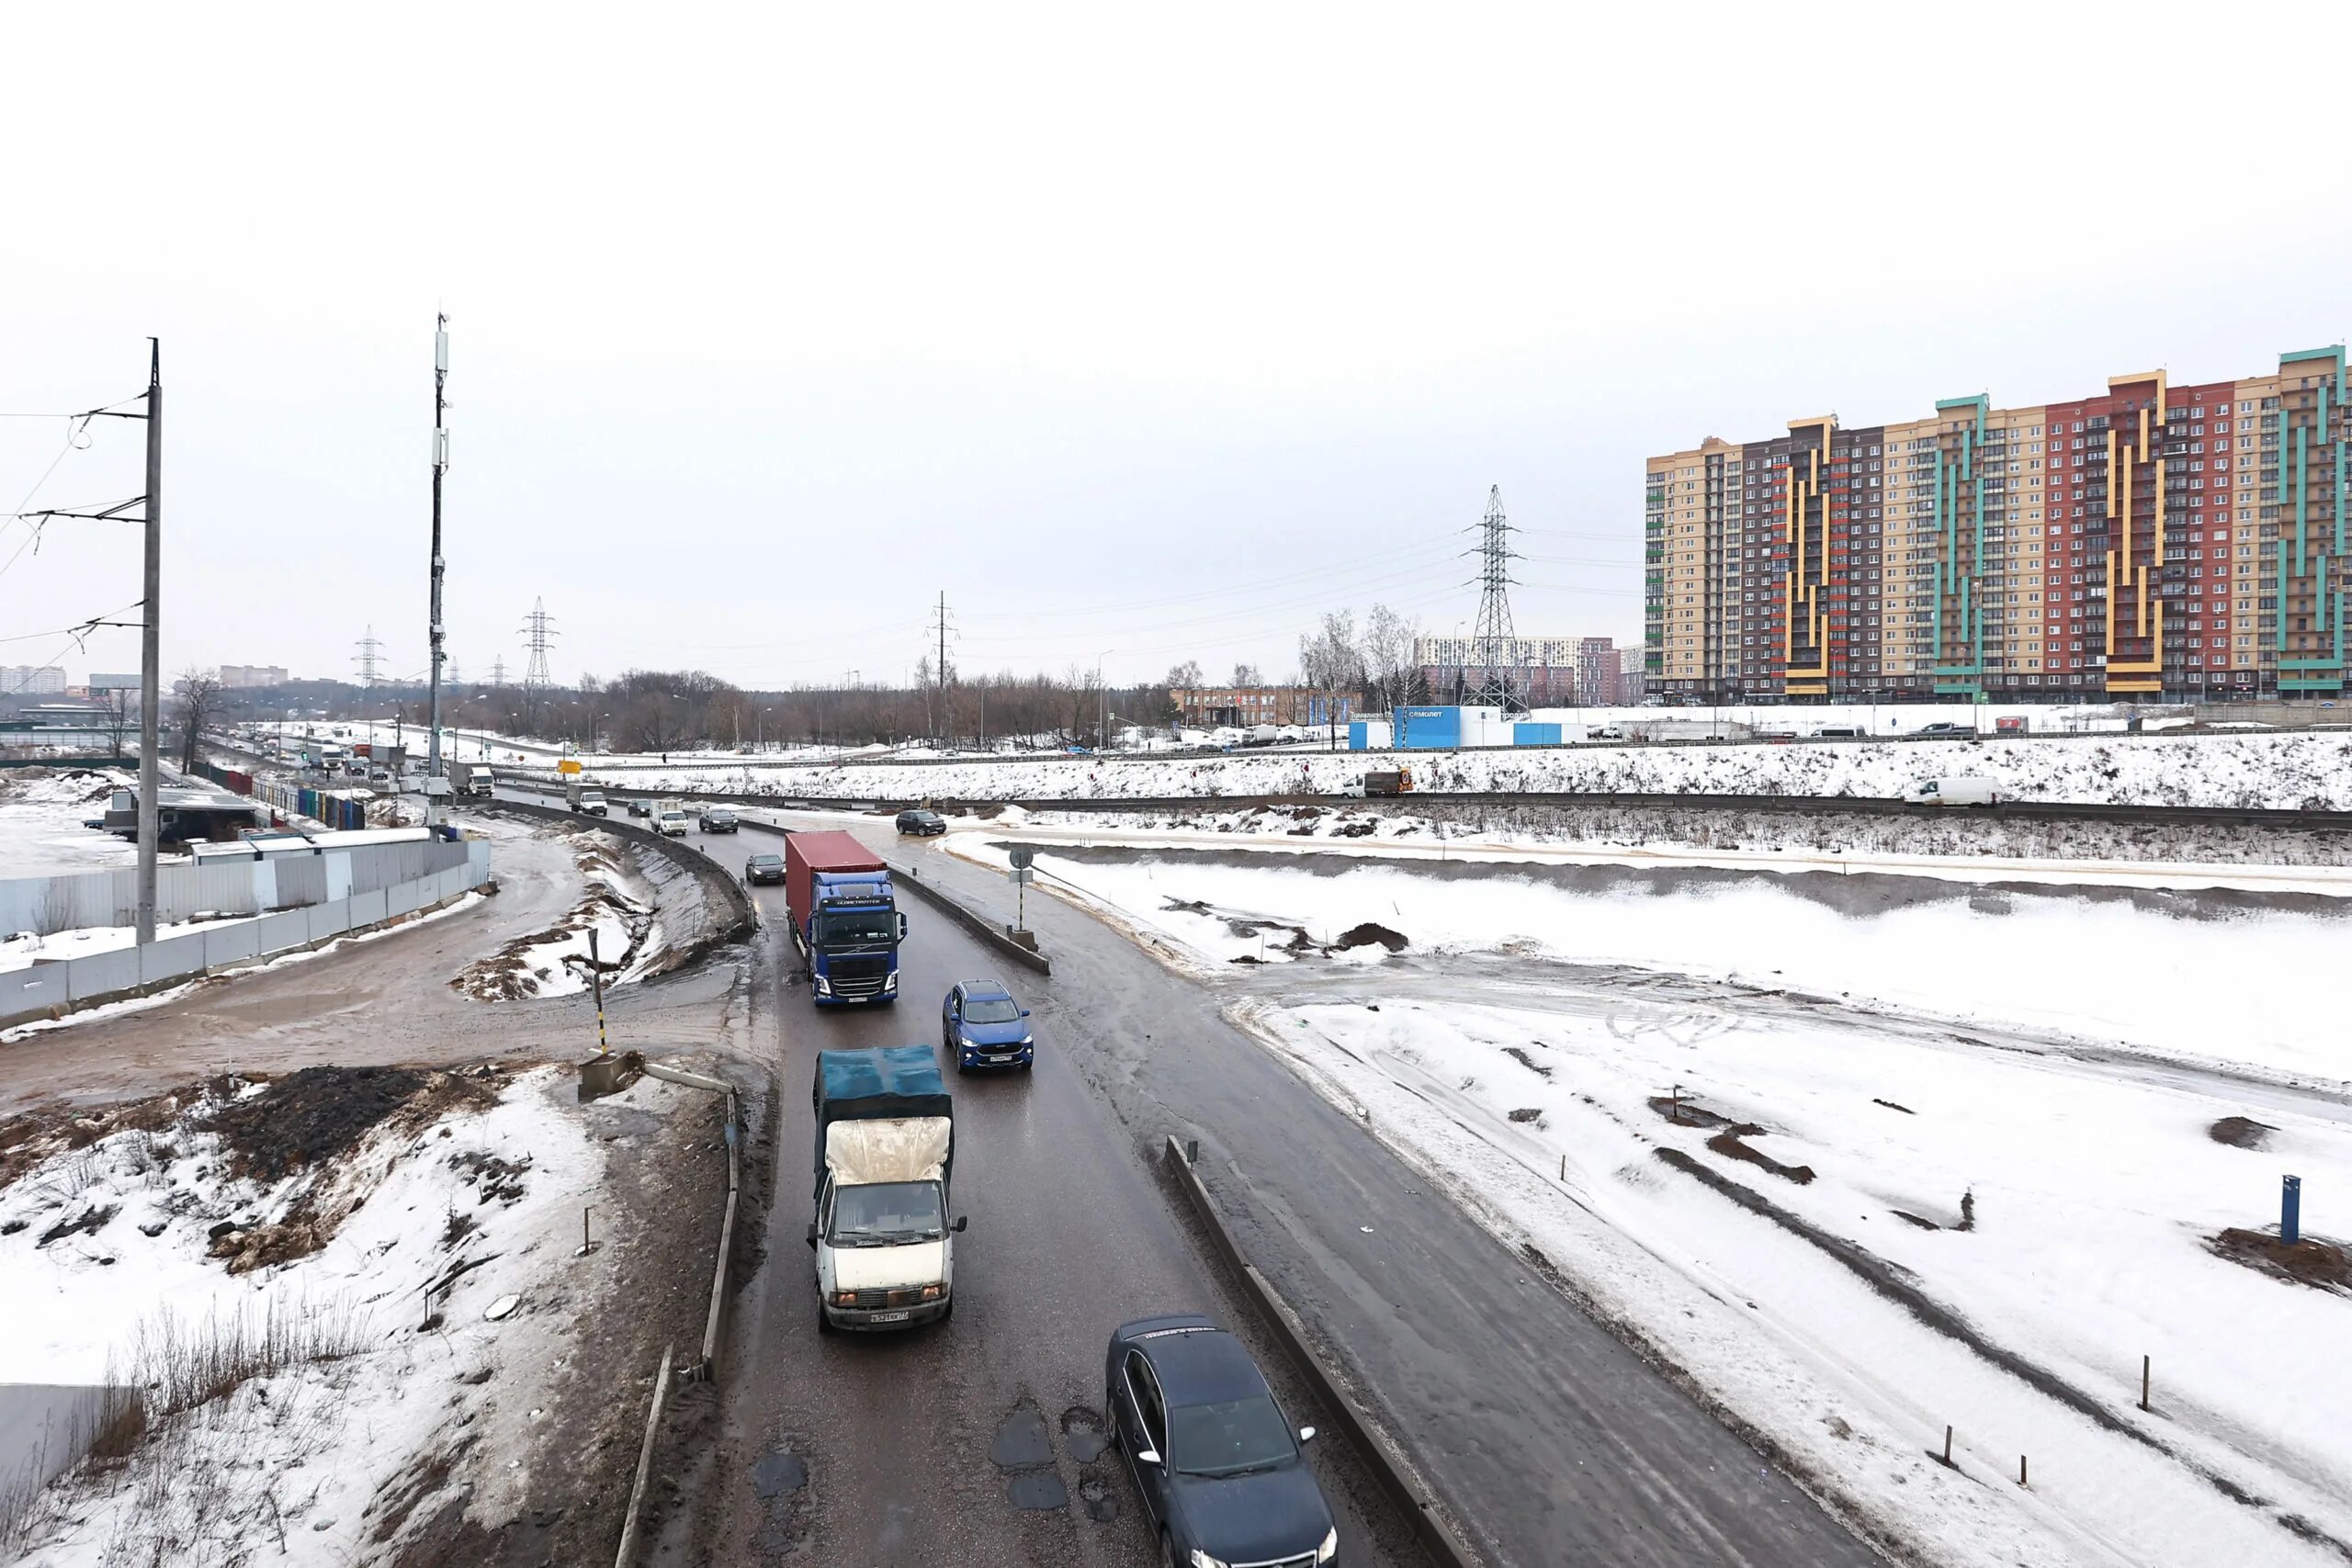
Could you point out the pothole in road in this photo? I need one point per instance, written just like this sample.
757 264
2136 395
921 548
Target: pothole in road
1100 1506
1021 1442
1082 1435
779 1472
1038 1489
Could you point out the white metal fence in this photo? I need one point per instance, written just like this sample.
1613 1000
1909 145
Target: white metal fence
356 879
81 900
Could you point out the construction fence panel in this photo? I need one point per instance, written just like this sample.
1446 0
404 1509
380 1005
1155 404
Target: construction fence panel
229 943
301 879
275 933
329 920
402 899
102 974
36 990
171 958
367 908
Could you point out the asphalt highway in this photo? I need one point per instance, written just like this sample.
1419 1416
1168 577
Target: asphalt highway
974 1441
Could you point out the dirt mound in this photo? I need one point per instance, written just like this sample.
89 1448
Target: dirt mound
319 1113
2241 1131
1369 932
2323 1265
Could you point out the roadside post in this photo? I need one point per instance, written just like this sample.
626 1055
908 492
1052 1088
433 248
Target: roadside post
602 1073
1023 858
2290 1208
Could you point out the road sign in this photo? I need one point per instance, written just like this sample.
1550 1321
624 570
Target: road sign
1022 873
1022 855
569 765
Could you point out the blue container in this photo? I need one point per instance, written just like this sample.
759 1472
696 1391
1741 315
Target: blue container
1429 729
1524 734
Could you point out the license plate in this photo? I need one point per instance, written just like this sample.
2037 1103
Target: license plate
888 1317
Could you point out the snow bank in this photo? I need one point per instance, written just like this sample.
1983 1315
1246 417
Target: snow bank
294 1458
2136 972
2280 771
2055 1208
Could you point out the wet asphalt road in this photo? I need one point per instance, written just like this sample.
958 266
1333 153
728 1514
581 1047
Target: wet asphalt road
1071 1233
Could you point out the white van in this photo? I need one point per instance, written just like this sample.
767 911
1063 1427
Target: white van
1955 792
670 820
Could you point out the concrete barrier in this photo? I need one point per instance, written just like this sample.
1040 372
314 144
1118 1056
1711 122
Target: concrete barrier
229 943
104 973
171 958
988 930
36 990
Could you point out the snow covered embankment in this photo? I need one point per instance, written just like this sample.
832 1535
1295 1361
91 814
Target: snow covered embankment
2289 771
632 902
320 1283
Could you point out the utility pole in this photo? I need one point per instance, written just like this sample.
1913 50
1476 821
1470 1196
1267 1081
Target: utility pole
433 673
151 652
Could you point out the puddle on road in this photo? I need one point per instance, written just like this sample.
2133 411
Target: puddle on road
779 1472
1022 1442
1082 1434
1040 1489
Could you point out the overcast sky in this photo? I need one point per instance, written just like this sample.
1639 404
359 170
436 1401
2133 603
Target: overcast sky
1148 336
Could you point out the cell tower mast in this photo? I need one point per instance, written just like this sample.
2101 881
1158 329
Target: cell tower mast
1493 641
433 674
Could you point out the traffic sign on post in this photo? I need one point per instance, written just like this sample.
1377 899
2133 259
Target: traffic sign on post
1021 856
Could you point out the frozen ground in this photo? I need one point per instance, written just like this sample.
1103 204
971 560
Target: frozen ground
2280 771
108 1270
1860 1156
629 919
41 813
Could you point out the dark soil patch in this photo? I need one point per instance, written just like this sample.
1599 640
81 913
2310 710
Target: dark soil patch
1730 1143
1924 1225
1372 931
1892 1106
2323 1265
89 1222
1526 1113
1524 1060
1354 829
2241 1132
1686 1112
320 1113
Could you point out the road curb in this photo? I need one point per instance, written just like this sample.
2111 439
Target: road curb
633 1521
1388 1463
707 1369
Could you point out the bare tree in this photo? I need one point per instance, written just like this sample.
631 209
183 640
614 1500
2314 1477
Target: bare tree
120 715
1246 675
1330 661
195 697
1184 676
1387 651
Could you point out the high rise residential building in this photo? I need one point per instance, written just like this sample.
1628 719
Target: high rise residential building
1633 682
1545 669
2151 541
31 680
244 677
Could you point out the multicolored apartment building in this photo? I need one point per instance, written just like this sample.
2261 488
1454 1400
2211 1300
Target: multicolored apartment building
2153 542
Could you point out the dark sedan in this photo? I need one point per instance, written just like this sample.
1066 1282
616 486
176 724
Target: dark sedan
764 868
1215 1461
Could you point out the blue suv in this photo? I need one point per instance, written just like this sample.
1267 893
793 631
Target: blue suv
982 1026
1219 1471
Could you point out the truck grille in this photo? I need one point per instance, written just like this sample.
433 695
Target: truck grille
909 1295
855 979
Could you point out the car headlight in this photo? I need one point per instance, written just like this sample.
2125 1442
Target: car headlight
1202 1560
1330 1547
1026 1043
931 1293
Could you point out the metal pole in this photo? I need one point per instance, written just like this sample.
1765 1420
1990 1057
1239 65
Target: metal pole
440 466
151 651
2290 1208
596 980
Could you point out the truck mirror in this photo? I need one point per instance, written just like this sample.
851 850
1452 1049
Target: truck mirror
961 1221
902 927
812 1236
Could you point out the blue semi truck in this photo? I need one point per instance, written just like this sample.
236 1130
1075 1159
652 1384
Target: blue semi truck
845 921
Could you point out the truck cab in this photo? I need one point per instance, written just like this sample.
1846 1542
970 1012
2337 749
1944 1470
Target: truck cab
886 1153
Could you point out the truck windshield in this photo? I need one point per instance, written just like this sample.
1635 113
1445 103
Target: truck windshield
1227 1439
858 928
887 1214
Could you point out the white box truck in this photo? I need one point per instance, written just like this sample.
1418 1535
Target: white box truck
1962 791
886 1149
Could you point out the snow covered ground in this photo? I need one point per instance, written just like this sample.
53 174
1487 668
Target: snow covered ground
41 813
1983 1131
625 915
2282 770
107 1270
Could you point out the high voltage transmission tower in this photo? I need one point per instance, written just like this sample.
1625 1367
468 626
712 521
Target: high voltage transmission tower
1492 641
538 631
942 624
370 659
498 671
